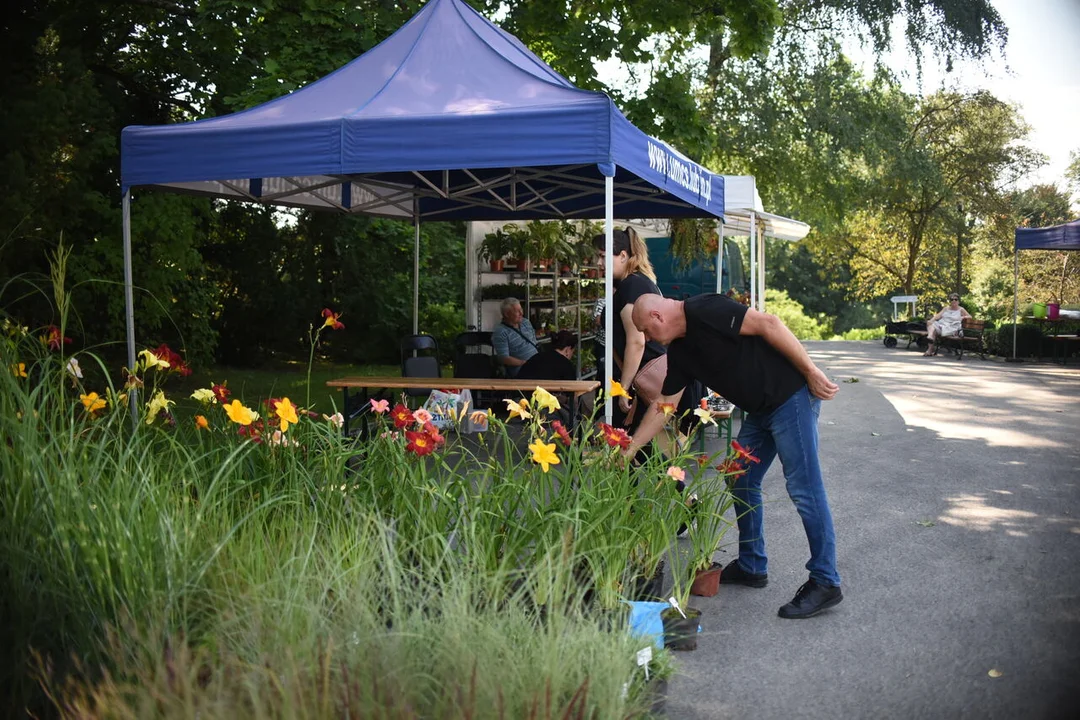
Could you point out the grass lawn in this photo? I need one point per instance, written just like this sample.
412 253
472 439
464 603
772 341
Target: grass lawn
288 379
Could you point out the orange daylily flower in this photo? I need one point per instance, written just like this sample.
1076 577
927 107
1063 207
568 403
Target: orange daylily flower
286 413
92 402
202 423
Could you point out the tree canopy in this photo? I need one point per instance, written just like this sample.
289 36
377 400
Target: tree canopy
758 86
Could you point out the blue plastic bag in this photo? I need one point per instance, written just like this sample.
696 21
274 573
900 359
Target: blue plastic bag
645 621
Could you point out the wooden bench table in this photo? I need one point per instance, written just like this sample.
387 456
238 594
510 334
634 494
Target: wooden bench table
1063 341
364 386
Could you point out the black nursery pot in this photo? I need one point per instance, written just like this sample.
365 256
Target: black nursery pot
680 633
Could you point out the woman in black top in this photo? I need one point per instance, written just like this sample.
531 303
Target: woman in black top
633 276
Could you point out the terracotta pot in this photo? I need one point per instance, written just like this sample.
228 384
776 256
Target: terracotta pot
496 265
706 582
680 633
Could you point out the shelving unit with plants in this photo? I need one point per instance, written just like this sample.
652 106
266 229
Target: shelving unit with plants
548 266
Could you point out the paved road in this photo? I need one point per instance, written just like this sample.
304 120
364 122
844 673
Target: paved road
954 488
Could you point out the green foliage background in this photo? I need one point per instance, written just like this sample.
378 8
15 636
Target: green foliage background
874 170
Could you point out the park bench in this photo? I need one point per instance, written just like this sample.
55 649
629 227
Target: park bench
972 336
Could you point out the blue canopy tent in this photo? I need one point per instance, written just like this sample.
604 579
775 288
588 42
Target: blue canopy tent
449 118
1056 237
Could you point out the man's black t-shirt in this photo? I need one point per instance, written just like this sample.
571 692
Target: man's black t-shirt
630 288
745 369
547 365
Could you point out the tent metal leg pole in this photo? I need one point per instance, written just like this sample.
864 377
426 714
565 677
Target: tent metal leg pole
609 305
720 256
753 260
416 268
761 267
1016 295
129 304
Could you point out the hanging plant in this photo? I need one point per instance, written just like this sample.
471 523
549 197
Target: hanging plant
692 239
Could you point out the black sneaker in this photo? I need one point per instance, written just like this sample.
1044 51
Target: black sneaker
812 598
733 574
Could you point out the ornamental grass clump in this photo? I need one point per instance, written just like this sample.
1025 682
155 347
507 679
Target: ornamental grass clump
252 561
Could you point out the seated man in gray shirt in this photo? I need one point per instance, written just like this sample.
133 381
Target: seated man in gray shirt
514 339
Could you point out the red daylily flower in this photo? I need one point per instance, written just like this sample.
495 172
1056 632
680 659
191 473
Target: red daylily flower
332 321
433 433
253 432
221 392
419 442
741 453
402 416
561 432
176 362
53 339
702 459
730 466
615 437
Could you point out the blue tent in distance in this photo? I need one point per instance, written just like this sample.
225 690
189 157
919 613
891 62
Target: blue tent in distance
1055 237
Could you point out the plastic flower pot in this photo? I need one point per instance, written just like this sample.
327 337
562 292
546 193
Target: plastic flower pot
680 633
657 694
1052 310
1038 310
496 265
706 582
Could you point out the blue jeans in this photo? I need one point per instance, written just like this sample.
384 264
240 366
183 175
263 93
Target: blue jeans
790 431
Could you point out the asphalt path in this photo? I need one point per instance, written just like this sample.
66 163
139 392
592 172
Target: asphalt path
954 490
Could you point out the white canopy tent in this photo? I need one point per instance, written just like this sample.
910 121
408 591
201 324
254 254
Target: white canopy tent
744 214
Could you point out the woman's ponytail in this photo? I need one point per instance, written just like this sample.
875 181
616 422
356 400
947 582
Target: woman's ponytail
639 256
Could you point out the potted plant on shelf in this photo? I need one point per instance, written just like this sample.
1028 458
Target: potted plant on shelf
517 252
495 247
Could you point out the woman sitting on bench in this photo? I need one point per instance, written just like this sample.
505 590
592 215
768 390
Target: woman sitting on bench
947 321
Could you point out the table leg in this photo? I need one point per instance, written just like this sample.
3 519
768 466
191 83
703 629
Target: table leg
345 411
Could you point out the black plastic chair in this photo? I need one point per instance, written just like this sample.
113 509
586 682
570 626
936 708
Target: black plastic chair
419 358
474 357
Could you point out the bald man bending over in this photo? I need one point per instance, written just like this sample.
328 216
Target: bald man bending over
753 360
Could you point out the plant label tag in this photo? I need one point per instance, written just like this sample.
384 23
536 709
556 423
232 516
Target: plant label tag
644 656
675 604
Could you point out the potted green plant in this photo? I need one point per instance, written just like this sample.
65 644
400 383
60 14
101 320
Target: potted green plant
495 247
712 499
681 622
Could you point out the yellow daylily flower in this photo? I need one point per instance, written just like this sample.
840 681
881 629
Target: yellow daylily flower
239 414
286 413
545 399
150 360
156 405
92 402
544 454
19 370
617 390
518 408
204 395
704 416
